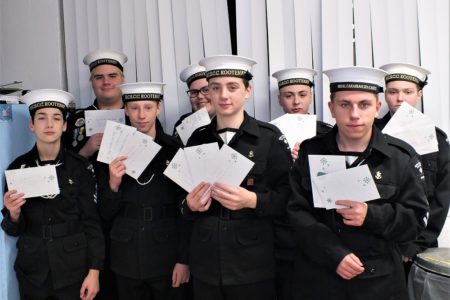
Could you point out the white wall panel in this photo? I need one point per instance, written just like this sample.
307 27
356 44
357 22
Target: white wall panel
245 32
275 27
363 33
181 41
141 40
171 111
434 50
337 42
195 33
128 38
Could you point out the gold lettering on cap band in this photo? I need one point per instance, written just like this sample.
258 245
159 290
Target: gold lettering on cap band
195 76
105 61
142 96
294 81
355 86
47 103
400 76
226 73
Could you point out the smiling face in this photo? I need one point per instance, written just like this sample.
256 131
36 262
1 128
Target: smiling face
228 95
400 91
48 124
201 99
354 112
143 115
295 99
105 80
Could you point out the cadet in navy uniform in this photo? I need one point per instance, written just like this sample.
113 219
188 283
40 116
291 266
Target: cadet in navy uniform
232 243
148 240
195 77
405 82
106 67
295 96
352 252
60 246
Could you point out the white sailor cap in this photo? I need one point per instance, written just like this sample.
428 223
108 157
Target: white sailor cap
192 73
295 76
406 72
44 98
356 79
228 66
105 57
142 91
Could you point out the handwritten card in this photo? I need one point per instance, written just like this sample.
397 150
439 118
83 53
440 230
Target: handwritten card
350 184
33 182
123 140
413 127
320 165
296 127
96 119
191 123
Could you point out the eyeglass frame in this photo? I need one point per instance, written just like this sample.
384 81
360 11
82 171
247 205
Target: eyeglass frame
196 92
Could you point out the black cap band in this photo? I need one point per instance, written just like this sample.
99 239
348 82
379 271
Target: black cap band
142 97
229 73
105 61
406 77
355 86
48 104
194 77
295 81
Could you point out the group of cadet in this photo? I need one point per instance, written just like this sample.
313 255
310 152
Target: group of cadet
110 236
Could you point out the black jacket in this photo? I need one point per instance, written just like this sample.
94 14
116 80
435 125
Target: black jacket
324 240
237 247
436 167
284 232
61 235
148 234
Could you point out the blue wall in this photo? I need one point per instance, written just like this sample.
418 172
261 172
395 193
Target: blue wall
15 139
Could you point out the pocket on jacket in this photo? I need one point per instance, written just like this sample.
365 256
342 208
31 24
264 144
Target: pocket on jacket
201 234
377 266
29 255
248 237
120 234
164 235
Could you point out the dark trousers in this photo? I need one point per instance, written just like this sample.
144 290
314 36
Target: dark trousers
263 290
29 291
146 289
284 278
107 279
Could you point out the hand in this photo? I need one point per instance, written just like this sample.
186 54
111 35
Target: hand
233 198
355 214
294 151
116 171
350 267
90 286
406 259
180 275
199 199
92 145
13 202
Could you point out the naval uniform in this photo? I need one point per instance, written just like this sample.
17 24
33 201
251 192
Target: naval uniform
436 167
233 251
60 237
324 240
180 120
285 245
148 234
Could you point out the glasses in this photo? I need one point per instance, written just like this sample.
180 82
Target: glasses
194 93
